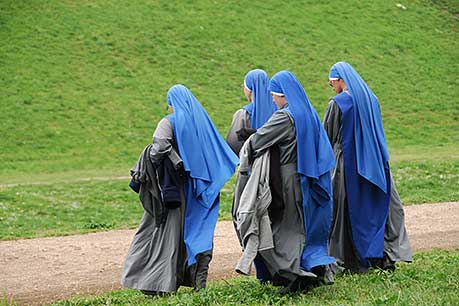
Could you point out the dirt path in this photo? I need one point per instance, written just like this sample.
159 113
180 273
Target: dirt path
43 270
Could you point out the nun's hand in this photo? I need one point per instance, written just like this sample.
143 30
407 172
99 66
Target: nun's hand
244 133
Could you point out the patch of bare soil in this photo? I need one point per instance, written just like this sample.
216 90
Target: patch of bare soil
39 271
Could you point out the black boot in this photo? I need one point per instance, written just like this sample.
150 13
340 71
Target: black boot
202 270
153 293
387 264
324 275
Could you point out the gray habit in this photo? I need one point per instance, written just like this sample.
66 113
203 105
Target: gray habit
283 261
241 120
396 243
240 130
156 260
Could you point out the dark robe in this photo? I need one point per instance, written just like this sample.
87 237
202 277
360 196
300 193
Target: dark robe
342 247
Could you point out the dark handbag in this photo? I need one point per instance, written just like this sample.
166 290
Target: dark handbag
170 183
134 185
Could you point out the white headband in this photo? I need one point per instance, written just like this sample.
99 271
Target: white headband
333 79
246 87
277 93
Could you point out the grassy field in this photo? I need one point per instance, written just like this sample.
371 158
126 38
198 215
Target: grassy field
80 207
432 279
83 85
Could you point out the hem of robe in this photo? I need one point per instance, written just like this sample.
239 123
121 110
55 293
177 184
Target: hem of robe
136 286
313 256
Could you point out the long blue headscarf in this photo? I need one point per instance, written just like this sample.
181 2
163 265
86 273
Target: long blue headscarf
370 142
209 161
262 106
315 160
315 155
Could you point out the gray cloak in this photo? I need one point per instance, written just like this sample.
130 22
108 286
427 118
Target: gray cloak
252 198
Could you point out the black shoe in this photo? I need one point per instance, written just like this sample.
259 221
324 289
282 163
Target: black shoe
387 264
153 293
324 275
300 284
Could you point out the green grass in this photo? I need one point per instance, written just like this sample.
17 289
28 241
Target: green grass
432 279
448 5
428 181
84 83
28 211
62 209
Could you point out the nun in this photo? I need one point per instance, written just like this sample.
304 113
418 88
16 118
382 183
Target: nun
173 244
368 228
253 115
245 122
299 258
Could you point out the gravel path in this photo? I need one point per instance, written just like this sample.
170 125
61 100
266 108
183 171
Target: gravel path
38 271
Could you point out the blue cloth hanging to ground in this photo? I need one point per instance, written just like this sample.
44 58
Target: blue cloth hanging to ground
262 106
368 205
315 161
207 159
366 168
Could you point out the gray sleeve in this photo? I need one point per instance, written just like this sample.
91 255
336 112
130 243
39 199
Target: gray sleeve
163 138
279 127
241 119
332 122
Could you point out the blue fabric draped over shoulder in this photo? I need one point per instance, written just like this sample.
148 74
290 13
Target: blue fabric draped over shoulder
207 159
262 106
315 161
370 142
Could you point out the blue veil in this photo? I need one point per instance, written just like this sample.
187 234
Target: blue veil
262 106
366 168
315 161
370 143
210 163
